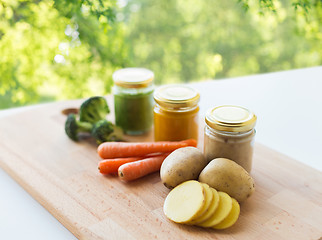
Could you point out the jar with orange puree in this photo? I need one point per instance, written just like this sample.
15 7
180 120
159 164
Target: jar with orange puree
176 113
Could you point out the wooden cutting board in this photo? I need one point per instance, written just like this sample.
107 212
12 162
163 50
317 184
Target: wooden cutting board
62 175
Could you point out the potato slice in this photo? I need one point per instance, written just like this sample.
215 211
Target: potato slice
184 202
212 208
223 209
231 218
208 200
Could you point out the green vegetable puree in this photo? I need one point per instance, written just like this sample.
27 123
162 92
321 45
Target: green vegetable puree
134 112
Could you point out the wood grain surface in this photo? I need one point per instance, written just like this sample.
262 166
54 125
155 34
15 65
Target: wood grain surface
63 176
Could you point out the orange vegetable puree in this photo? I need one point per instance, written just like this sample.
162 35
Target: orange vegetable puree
175 125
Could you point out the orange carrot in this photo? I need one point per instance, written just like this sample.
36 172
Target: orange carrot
108 166
133 170
128 149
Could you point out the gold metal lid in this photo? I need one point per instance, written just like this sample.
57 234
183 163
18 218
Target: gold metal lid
176 96
133 77
231 118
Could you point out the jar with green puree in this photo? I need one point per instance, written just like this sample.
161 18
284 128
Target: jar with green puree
133 100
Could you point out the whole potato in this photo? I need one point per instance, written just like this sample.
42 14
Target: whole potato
182 165
227 176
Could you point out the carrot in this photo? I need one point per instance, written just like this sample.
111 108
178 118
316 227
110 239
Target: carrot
134 170
128 149
108 166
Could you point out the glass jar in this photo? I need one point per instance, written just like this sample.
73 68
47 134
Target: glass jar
229 133
176 113
133 100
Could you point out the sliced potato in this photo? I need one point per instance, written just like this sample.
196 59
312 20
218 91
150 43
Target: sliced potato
212 208
208 200
231 218
185 201
223 209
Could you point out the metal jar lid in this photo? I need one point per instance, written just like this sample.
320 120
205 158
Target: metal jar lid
176 96
133 77
231 118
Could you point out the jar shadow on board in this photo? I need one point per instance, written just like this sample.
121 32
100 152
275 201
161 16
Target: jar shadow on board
229 133
133 100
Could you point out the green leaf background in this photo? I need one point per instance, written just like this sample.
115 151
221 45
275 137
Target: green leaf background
55 50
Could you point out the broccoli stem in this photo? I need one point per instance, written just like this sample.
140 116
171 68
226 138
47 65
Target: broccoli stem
84 126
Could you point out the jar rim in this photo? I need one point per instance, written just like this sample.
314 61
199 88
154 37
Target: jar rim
176 96
133 77
231 118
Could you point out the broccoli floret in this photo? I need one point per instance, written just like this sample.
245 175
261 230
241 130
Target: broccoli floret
105 131
93 110
73 127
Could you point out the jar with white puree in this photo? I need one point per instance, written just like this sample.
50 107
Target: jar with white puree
229 133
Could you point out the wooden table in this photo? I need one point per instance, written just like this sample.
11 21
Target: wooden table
278 117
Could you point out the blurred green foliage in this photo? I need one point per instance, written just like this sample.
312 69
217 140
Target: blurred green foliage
57 49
